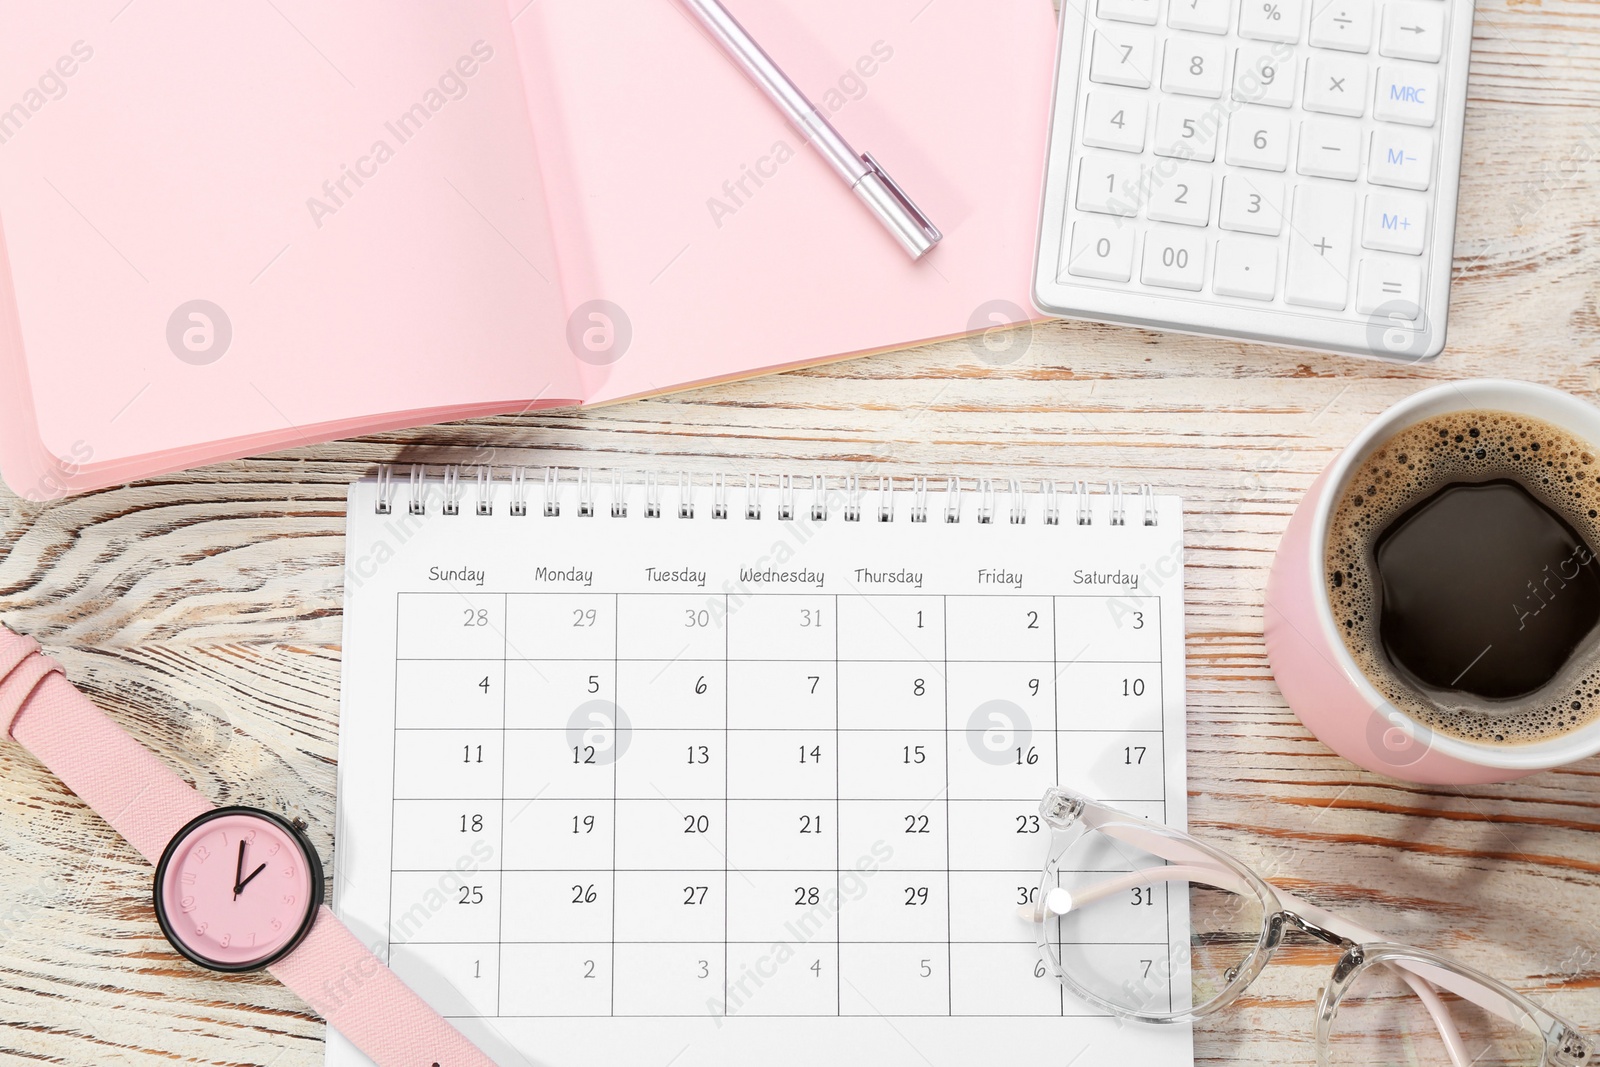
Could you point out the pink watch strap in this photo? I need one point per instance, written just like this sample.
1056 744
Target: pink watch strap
148 804
361 998
125 782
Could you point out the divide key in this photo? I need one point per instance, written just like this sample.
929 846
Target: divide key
1407 94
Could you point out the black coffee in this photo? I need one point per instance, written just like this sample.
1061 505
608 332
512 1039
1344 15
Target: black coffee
1460 570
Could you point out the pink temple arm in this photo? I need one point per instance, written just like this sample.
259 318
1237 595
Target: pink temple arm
1417 975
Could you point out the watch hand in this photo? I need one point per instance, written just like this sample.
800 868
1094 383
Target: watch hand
238 872
250 879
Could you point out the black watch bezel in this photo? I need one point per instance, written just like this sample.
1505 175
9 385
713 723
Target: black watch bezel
313 865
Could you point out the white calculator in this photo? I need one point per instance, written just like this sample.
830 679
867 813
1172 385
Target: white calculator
1268 170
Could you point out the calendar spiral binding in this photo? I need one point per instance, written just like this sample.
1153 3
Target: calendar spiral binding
849 497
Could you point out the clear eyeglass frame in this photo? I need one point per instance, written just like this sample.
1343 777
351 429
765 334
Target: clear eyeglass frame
1430 977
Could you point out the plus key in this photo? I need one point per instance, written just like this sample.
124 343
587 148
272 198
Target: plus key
1320 226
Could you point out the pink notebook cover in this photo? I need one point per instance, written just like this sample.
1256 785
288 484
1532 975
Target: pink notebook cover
235 228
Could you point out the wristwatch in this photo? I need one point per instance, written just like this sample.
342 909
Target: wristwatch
236 889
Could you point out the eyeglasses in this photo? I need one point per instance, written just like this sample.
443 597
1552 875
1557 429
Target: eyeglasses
1114 884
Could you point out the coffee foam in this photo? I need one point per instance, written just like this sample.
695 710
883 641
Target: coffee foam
1467 446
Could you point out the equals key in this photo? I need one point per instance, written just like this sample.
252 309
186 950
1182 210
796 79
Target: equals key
1390 288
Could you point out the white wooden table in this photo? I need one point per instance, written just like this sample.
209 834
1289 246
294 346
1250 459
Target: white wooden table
203 610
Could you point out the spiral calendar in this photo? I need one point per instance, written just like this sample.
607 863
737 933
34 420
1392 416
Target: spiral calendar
698 771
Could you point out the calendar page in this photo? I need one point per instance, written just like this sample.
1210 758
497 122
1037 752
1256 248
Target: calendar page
709 776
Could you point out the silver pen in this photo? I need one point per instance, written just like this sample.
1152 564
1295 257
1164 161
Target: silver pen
869 181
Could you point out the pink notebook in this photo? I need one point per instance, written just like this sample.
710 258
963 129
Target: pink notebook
231 228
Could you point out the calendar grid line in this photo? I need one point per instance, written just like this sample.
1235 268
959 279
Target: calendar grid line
776 593
763 800
949 921
854 941
394 783
805 1015
500 853
727 786
746 870
1161 688
616 686
862 660
838 821
754 729
1055 729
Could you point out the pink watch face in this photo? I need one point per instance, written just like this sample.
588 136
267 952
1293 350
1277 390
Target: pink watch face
237 889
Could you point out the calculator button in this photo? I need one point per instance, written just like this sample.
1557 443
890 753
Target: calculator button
1330 148
1258 137
1114 120
1194 66
1204 16
1401 158
1186 129
1320 227
1407 94
1246 267
1252 203
1391 285
1140 11
1412 31
1101 249
1122 56
1109 185
1336 84
1342 24
1260 77
1270 20
1174 259
1395 222
1183 197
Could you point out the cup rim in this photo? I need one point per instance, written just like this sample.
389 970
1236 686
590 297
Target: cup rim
1493 394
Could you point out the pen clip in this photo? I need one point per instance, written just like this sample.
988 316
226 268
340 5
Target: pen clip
922 220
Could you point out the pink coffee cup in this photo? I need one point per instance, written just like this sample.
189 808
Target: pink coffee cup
1315 671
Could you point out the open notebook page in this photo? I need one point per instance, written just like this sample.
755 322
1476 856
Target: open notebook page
354 185
688 202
